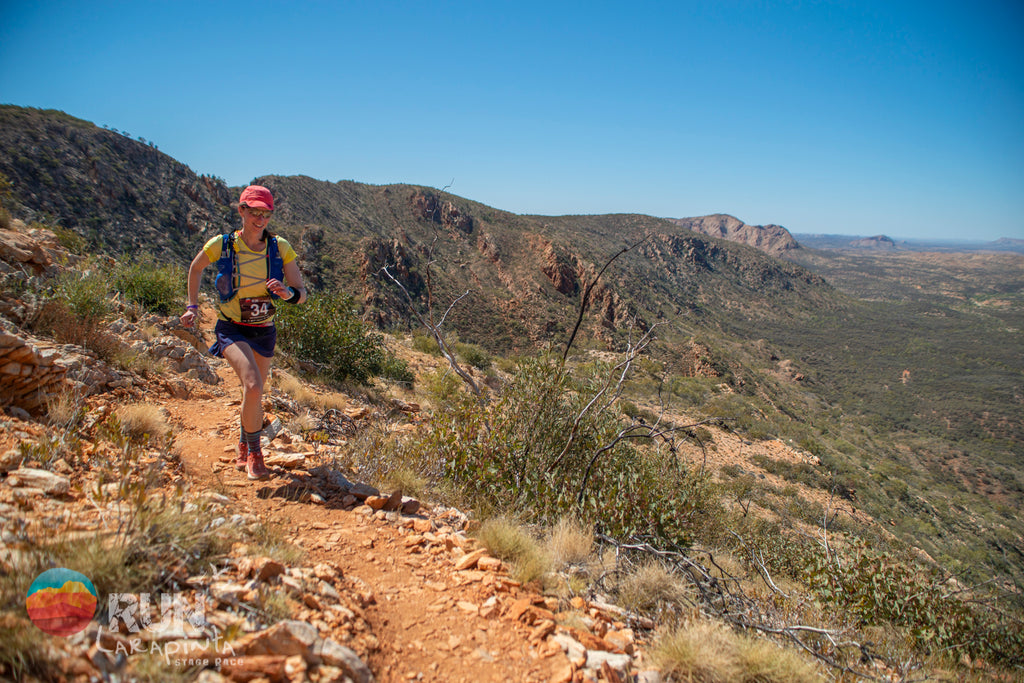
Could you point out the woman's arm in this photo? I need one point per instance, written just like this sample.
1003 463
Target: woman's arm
294 277
195 272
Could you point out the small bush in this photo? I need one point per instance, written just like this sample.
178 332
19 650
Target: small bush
69 239
57 319
326 333
473 355
424 343
157 288
86 294
516 454
396 370
443 387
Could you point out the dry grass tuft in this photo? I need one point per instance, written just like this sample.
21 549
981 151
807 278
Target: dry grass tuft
408 481
651 587
707 652
513 543
294 387
144 422
570 543
301 393
65 410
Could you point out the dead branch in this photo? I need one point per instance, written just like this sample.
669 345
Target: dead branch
757 559
435 332
585 300
623 367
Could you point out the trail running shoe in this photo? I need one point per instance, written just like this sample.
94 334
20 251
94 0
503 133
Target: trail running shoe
241 455
255 468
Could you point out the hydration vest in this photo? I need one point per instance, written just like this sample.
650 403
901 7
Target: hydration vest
228 278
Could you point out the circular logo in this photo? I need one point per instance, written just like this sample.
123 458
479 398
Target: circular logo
61 602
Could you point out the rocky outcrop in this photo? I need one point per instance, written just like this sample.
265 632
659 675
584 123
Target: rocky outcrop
29 375
561 268
34 251
34 372
771 239
428 207
876 242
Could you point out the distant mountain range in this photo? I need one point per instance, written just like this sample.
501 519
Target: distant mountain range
834 242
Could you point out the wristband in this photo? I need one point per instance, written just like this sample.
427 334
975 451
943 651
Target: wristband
192 307
294 298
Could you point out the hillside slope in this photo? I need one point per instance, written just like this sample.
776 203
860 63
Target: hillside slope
524 274
123 195
912 408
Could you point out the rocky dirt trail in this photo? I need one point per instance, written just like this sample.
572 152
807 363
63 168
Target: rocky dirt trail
385 588
430 618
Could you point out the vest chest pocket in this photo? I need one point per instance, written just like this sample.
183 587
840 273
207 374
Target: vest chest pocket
256 310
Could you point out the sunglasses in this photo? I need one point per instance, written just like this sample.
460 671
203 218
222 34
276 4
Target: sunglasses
259 213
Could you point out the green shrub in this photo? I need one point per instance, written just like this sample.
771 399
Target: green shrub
516 455
424 343
396 369
473 355
157 288
86 293
326 332
69 239
876 587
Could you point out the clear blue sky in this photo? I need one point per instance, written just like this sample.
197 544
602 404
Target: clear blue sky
902 118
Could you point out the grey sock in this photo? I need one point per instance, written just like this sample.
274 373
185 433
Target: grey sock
252 439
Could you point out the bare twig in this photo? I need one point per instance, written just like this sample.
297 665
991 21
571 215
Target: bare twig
585 300
435 332
623 370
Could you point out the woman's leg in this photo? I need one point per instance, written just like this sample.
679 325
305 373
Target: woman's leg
251 369
264 365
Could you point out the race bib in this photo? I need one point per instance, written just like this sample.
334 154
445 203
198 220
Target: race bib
256 310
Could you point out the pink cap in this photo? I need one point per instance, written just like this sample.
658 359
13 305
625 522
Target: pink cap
257 197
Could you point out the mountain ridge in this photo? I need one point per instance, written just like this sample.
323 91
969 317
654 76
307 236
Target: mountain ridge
771 239
360 228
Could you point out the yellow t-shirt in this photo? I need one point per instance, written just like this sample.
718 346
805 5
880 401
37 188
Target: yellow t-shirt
252 303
